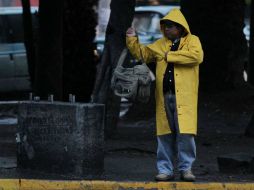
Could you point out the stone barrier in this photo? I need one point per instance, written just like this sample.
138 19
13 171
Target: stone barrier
60 137
8 131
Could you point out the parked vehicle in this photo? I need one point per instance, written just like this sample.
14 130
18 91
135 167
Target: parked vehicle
13 61
146 21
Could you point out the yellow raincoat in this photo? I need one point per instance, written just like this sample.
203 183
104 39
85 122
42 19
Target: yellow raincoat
186 62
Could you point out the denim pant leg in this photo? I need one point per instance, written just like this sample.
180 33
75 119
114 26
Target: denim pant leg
186 151
186 148
165 154
166 150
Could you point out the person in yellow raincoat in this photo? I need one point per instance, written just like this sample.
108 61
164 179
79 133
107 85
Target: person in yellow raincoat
177 55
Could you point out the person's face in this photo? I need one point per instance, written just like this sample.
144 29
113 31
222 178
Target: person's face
171 31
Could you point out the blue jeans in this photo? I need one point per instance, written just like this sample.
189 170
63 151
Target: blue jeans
175 144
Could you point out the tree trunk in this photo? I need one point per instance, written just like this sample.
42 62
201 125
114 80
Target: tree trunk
122 12
79 60
29 38
249 132
251 49
48 76
219 24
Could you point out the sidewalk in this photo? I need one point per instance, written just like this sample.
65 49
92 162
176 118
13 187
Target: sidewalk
130 155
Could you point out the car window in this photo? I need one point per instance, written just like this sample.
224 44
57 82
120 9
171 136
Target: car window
147 22
11 28
4 30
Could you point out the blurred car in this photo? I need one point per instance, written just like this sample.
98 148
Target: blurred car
146 21
13 61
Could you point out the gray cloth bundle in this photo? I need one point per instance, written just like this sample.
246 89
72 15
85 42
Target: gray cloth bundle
131 83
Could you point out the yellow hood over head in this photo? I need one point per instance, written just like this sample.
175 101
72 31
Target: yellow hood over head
176 15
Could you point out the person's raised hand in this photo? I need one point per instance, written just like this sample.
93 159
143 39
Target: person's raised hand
130 32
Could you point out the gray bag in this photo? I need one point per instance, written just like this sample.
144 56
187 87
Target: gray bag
131 83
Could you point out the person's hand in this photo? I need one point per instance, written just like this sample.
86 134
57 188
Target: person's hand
130 32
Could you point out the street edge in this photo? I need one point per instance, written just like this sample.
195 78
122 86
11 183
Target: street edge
25 184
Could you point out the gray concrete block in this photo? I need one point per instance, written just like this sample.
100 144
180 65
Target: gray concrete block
62 137
56 137
8 109
8 162
8 130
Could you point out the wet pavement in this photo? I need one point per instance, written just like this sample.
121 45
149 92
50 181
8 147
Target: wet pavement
130 154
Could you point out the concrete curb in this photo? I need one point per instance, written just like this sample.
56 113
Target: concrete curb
23 184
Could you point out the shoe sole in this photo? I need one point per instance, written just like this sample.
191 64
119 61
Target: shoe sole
188 180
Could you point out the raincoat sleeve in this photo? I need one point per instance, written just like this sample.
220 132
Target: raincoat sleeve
191 55
136 48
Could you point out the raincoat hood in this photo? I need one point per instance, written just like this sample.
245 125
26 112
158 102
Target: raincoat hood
176 15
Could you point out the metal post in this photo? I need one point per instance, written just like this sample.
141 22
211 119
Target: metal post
51 98
70 97
30 96
73 99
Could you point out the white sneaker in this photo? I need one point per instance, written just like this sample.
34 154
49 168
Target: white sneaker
164 177
187 176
